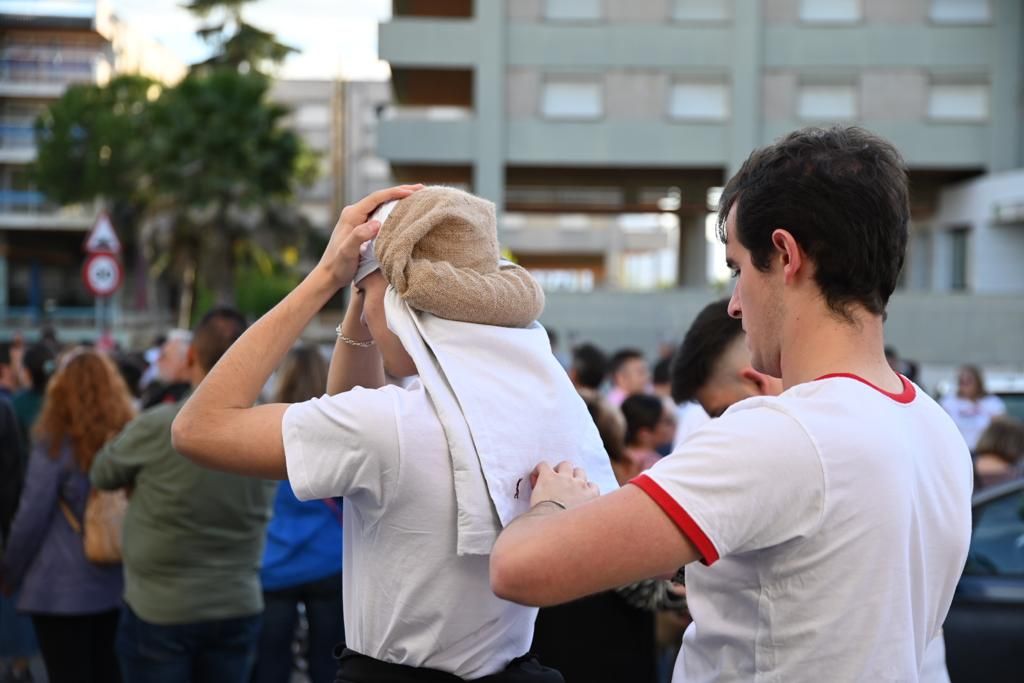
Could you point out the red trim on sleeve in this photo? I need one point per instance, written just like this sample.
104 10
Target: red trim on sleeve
906 396
678 515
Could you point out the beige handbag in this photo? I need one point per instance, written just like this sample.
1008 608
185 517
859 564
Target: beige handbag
104 524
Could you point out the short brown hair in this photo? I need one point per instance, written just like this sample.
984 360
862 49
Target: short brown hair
1003 438
215 334
302 376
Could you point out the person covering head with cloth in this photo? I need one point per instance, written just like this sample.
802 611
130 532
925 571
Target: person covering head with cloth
431 472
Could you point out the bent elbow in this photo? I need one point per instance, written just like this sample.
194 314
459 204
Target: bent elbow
181 436
510 580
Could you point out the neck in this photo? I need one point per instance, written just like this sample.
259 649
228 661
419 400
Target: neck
824 344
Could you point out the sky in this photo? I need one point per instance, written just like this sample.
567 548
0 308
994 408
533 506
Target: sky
337 38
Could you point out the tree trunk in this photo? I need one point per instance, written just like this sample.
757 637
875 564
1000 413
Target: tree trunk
188 295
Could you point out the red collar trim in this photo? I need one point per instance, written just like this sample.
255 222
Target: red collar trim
906 396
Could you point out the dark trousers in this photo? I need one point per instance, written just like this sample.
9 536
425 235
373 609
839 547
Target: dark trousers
78 648
216 651
356 668
322 600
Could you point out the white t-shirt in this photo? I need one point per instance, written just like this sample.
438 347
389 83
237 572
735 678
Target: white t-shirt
833 522
690 416
409 598
972 417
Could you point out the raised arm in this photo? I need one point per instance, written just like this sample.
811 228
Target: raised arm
354 365
218 426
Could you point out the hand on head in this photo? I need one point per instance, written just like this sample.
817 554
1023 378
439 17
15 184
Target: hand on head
341 257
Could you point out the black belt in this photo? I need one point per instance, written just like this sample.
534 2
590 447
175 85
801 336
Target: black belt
356 668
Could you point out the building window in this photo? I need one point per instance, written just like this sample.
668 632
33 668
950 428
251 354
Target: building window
572 99
830 11
702 10
699 101
960 12
827 102
572 10
958 251
313 116
958 102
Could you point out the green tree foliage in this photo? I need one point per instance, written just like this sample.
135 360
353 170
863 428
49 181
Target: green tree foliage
237 44
204 172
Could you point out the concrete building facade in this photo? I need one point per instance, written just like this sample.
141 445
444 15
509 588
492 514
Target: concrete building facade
575 115
45 47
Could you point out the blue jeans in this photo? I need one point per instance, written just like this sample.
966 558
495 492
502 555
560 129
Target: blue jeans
322 599
218 651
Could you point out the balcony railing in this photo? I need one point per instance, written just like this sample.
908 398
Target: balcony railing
40 71
24 201
16 135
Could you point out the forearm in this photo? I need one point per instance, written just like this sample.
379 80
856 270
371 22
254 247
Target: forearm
354 366
237 379
218 426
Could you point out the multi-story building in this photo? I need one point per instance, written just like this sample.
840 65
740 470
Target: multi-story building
363 104
316 117
601 128
46 46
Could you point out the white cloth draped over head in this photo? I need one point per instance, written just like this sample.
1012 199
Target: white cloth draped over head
506 405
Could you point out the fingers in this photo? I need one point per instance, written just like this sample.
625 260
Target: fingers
541 469
361 210
359 236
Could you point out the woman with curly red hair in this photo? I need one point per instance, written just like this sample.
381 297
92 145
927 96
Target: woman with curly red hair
73 602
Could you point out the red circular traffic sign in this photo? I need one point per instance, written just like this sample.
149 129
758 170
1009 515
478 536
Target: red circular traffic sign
101 274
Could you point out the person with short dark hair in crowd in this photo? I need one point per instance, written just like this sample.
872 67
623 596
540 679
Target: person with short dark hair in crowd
630 374
193 541
588 369
713 365
649 426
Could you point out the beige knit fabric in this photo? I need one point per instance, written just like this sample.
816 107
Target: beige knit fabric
439 250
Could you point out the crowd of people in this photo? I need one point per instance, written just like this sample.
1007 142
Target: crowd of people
403 456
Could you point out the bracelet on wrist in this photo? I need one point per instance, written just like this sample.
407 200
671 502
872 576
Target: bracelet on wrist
364 344
553 502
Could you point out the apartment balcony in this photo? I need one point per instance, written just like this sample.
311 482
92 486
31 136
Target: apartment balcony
428 42
432 8
427 135
44 78
29 210
17 142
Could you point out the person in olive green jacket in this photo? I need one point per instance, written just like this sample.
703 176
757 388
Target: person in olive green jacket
193 542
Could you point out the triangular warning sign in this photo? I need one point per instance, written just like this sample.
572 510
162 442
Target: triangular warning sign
102 239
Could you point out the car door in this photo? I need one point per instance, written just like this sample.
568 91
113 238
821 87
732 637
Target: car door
985 627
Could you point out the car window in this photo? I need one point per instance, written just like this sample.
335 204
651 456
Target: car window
997 545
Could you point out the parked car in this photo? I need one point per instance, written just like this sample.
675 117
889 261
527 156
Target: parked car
985 626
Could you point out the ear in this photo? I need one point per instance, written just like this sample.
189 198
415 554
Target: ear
191 360
759 380
790 252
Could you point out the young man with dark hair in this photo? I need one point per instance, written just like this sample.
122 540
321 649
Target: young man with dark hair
630 374
823 530
193 542
712 366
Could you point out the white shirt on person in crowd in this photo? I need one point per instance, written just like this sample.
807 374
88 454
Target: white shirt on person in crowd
834 522
408 597
690 416
972 417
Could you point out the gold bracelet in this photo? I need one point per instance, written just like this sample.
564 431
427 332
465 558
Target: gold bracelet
353 342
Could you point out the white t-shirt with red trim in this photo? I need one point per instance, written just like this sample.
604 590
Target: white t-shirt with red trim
833 521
